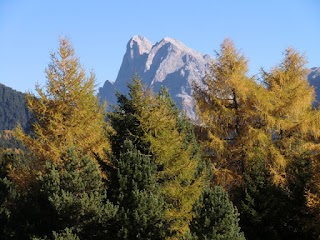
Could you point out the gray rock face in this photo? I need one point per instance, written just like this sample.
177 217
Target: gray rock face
314 80
167 63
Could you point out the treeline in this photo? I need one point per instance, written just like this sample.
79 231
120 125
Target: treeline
248 169
13 109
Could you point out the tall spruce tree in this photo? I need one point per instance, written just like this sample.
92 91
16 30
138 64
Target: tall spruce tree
134 189
215 217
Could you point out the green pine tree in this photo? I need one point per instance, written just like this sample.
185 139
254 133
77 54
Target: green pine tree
70 195
261 203
135 190
215 217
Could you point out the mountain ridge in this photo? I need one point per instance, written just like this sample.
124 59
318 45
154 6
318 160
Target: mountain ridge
168 62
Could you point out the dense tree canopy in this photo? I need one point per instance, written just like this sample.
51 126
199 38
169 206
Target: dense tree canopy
154 125
252 170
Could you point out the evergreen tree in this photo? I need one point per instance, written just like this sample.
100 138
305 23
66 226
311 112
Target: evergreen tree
215 217
135 190
155 128
7 191
125 123
263 205
67 113
269 211
70 195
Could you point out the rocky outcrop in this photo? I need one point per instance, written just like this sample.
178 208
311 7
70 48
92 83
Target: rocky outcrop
167 63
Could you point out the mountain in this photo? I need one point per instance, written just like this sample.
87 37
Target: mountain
169 63
314 80
12 109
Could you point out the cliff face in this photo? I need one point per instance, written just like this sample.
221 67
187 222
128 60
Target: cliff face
168 62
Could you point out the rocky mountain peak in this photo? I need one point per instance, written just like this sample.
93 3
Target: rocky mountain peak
168 63
138 45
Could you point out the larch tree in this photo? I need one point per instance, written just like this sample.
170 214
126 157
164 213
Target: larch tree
233 111
176 160
296 131
67 113
296 122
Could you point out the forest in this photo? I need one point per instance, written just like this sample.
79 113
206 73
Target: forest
246 168
12 109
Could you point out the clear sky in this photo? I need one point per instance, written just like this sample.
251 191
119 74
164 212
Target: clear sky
100 30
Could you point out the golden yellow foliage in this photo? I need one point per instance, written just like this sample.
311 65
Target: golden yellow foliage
177 164
67 112
275 121
234 112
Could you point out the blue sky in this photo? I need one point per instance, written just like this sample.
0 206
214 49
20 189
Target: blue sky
100 30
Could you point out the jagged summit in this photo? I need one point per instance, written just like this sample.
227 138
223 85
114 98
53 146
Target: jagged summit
168 62
139 44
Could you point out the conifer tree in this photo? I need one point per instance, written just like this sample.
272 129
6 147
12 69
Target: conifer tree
296 134
135 190
155 128
263 205
180 187
7 191
66 234
295 121
67 199
234 112
67 112
215 217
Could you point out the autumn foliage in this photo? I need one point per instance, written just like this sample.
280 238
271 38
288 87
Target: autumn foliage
247 168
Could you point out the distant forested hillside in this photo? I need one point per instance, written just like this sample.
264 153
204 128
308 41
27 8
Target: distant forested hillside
12 108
